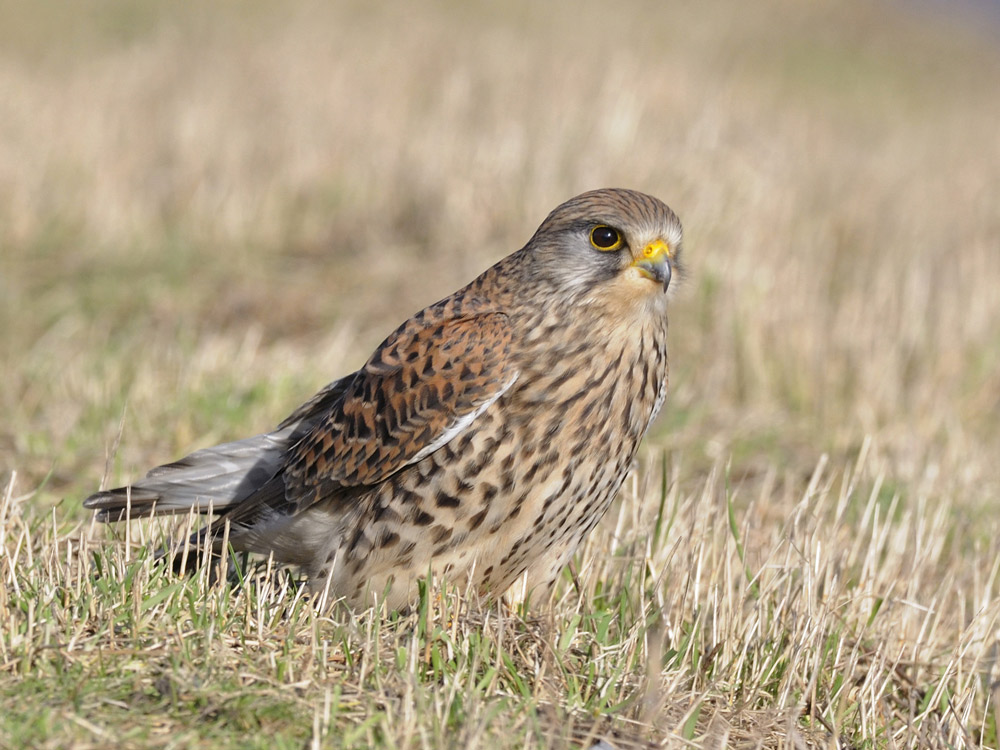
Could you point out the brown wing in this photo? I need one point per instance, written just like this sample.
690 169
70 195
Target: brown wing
423 386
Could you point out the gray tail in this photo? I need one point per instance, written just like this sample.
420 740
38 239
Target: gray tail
218 478
209 480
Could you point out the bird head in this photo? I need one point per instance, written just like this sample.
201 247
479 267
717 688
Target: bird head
609 246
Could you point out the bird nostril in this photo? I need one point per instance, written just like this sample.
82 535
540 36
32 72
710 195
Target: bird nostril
655 248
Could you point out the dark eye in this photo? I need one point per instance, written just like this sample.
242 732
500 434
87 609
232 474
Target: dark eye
605 238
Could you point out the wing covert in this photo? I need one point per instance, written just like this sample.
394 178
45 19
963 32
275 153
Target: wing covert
422 387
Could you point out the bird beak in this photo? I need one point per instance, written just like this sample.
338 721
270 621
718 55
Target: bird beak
654 262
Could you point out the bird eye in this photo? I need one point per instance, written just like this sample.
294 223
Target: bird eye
605 238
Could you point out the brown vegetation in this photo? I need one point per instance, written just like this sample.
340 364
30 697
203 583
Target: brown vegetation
206 213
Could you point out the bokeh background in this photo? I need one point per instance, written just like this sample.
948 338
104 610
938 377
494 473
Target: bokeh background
210 210
207 211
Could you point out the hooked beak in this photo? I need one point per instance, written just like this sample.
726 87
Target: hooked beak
654 262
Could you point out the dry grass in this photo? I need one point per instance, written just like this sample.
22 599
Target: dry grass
207 213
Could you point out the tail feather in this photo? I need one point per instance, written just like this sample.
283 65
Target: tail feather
217 478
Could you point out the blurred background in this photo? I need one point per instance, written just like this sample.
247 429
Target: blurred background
208 211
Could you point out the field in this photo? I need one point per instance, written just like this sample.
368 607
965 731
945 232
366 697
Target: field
208 211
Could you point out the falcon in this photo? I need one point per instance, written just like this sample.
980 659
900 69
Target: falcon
481 441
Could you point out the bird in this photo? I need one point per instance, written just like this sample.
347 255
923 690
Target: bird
481 442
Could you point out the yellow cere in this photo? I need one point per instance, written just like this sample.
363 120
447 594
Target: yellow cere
655 248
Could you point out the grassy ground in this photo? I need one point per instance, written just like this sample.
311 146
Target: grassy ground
208 213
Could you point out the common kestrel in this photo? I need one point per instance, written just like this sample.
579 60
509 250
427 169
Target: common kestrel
483 439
